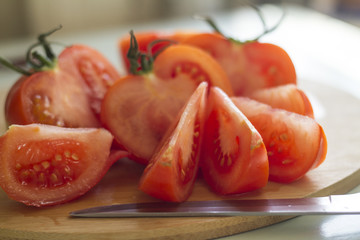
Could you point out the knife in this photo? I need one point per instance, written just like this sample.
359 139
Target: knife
333 204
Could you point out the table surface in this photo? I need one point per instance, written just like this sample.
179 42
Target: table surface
323 49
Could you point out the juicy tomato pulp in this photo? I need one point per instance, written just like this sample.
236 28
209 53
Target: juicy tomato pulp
68 96
139 109
249 66
295 143
171 172
44 165
233 157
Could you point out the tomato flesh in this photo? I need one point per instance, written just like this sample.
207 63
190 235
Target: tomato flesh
295 143
171 173
44 165
233 157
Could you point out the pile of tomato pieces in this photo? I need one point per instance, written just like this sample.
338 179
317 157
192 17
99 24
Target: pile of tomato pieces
207 103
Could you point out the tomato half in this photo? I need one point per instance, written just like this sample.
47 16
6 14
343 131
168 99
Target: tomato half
138 109
233 157
171 172
43 165
295 143
288 97
250 65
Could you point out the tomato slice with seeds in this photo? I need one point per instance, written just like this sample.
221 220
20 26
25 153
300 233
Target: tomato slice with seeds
171 172
295 143
233 156
43 165
288 97
138 109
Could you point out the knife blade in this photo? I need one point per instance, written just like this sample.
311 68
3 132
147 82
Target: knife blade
333 204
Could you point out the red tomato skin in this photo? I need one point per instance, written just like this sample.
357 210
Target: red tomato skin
288 97
52 97
233 157
26 144
169 175
295 143
249 66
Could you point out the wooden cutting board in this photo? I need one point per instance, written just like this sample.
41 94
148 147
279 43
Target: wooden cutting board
337 111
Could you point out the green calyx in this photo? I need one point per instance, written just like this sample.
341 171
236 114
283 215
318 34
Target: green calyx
34 59
140 62
258 11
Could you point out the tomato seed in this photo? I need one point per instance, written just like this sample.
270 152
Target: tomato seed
75 157
37 167
45 164
58 157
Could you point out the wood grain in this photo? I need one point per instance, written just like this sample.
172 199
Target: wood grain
338 113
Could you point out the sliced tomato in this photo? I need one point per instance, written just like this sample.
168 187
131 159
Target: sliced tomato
66 91
154 40
288 97
250 65
233 157
295 143
171 172
96 71
54 97
138 109
43 165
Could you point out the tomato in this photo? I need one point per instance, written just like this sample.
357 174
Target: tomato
66 91
43 165
138 109
295 143
156 40
233 157
288 97
250 65
52 97
171 172
97 73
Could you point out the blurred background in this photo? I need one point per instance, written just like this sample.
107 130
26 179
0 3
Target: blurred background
23 18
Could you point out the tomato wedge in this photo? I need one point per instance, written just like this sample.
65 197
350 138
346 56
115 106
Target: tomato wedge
138 109
42 165
288 97
295 143
249 66
171 172
66 91
233 156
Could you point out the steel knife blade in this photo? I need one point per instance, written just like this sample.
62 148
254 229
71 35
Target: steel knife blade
333 204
